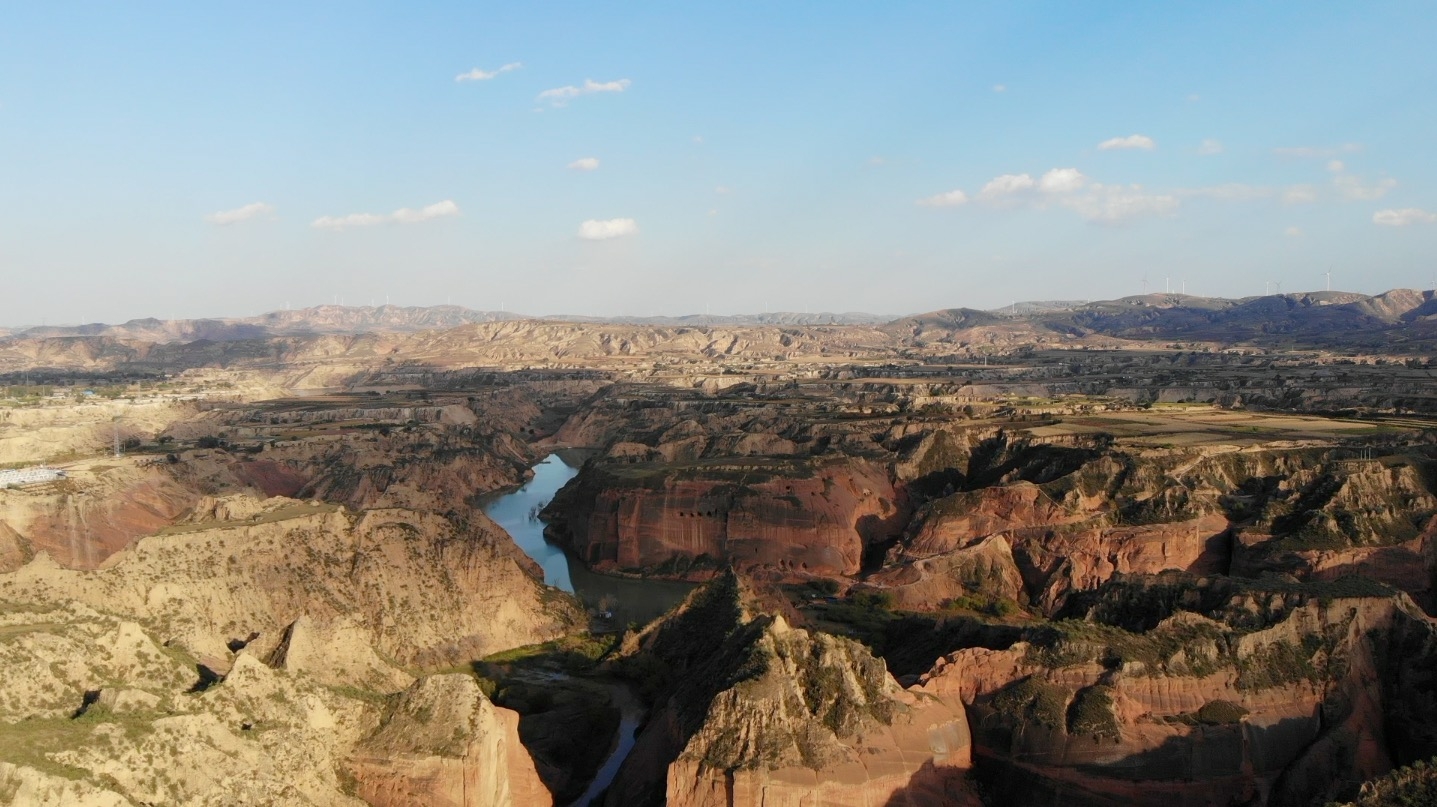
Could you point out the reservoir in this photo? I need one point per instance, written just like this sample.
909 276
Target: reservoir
630 600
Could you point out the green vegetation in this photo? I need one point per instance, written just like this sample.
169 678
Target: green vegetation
575 654
1092 713
1279 663
1218 713
1065 643
30 742
986 604
1033 701
1412 786
865 616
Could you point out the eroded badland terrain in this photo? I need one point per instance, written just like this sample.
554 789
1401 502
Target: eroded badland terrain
1162 550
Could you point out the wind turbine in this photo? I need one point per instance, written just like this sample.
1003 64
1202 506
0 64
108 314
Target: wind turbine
1329 278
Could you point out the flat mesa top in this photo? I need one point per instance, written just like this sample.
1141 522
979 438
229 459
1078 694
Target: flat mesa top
1207 426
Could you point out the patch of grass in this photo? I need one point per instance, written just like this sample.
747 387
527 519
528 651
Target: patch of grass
11 631
29 743
574 653
1278 664
1218 713
1091 713
1070 642
1413 786
1033 701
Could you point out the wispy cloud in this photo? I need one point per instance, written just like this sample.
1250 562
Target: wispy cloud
1135 141
1066 188
1403 217
403 215
560 96
1209 147
1114 203
252 210
605 229
1005 187
585 164
1350 186
1062 180
1317 152
950 199
1293 232
1299 195
1000 88
484 75
1233 191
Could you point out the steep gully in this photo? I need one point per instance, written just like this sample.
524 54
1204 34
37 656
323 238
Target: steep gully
618 600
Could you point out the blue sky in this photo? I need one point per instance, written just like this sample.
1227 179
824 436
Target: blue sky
181 160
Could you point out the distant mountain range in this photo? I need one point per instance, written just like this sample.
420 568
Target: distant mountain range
340 319
1319 318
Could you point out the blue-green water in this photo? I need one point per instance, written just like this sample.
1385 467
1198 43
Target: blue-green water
627 600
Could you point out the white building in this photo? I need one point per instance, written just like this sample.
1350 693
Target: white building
29 476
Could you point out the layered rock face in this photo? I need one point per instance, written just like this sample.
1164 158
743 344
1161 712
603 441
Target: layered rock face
443 744
751 711
797 518
82 521
1242 694
259 628
1073 516
417 588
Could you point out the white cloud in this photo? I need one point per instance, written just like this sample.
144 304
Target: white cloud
950 199
1062 180
1005 186
1351 187
723 190
1136 141
585 164
1194 98
602 230
1209 147
484 75
1293 232
1000 88
239 214
1299 195
403 215
1114 203
1234 191
437 210
1403 217
1068 188
559 96
1317 152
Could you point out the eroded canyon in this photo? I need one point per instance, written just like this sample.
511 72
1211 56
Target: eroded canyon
1142 552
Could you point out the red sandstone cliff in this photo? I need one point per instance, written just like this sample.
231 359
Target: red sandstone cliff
801 518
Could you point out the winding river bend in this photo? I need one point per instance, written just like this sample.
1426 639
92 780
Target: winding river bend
628 600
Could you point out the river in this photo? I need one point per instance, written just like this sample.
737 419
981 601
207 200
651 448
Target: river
626 600
629 600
